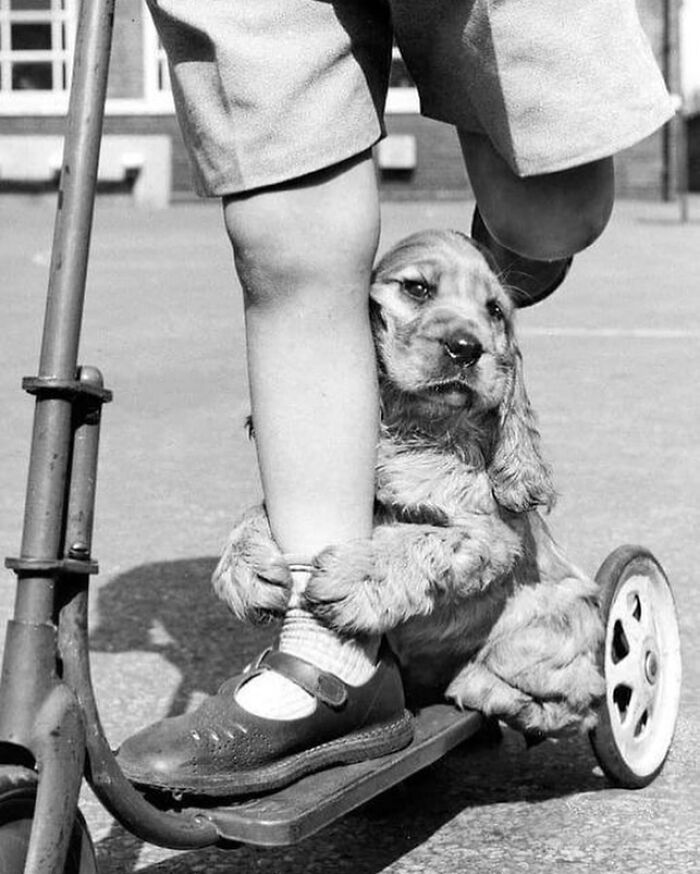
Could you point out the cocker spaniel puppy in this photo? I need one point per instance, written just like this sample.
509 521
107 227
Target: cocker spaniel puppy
461 573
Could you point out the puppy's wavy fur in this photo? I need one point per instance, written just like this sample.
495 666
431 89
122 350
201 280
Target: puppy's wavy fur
461 573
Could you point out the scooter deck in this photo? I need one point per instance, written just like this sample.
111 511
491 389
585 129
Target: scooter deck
296 812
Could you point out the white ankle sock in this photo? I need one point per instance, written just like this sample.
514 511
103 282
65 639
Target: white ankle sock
352 660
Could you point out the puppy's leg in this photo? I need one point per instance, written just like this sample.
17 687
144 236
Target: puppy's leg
538 670
371 586
252 576
478 688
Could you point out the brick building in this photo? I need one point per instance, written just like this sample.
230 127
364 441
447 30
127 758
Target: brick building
142 149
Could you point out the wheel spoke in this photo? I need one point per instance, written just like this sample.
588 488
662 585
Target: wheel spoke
638 703
644 593
628 634
625 672
640 711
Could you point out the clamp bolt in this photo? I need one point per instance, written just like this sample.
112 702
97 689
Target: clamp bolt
79 551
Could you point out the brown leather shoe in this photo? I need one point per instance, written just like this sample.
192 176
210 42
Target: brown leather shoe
527 280
222 750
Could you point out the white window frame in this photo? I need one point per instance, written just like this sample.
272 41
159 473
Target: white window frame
62 16
154 99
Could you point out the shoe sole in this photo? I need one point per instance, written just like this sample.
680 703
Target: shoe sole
371 743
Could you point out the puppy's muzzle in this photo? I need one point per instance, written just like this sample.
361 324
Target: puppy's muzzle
462 348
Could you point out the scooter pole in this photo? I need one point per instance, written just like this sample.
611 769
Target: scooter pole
56 384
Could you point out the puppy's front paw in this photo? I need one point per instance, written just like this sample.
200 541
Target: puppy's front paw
252 576
482 552
340 591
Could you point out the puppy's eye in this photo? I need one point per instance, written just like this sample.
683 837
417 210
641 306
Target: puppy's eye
416 288
494 310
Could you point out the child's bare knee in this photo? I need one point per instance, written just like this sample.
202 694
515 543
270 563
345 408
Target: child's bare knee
318 236
269 266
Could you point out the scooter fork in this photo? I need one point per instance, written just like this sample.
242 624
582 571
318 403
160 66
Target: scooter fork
39 711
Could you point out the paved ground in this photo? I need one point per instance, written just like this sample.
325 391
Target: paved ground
612 365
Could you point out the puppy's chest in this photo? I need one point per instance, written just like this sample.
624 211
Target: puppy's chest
414 480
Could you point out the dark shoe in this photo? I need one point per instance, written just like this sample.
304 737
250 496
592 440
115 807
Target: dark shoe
528 281
222 750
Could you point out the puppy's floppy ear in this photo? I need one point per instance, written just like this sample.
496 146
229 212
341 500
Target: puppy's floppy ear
376 316
377 323
519 476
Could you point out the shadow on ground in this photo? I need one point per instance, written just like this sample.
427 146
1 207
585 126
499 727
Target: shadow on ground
168 608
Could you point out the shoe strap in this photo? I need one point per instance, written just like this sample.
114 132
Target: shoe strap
322 685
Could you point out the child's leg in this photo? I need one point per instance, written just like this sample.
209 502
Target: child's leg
533 225
304 252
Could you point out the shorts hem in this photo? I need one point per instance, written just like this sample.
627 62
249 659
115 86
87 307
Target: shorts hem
538 166
222 186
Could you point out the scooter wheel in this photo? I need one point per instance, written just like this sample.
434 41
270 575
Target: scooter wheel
17 796
642 668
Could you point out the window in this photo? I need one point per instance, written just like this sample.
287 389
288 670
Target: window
35 46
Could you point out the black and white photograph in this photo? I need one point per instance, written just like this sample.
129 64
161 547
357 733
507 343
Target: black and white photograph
349 462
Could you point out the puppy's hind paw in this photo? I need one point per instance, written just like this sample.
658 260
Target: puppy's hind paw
252 576
477 687
342 591
553 719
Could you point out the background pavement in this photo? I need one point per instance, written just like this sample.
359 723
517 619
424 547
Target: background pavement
612 365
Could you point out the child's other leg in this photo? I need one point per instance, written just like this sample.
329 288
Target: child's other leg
303 253
533 225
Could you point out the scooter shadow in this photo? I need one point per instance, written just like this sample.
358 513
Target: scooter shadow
197 635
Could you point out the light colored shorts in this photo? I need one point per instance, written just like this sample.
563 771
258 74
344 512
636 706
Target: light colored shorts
270 90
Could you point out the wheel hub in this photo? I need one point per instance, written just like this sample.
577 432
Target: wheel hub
651 666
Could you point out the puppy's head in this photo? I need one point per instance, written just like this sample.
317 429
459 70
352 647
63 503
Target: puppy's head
442 324
448 358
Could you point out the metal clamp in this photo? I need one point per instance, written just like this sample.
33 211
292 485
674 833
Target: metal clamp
47 567
49 386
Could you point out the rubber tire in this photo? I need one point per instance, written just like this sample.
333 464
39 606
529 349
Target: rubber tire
619 566
17 797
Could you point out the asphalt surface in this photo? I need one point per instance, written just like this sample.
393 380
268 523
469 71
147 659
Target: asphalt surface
612 364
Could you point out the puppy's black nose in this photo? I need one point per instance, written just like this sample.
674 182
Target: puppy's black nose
463 349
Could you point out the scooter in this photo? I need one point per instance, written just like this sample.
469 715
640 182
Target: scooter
50 731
